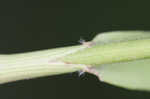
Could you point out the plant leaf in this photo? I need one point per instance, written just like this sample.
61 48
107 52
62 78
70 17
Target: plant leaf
120 36
129 74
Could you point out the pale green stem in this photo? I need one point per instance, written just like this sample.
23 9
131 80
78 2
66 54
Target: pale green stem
36 64
111 53
69 59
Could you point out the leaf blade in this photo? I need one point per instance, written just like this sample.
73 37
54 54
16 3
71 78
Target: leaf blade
131 75
120 36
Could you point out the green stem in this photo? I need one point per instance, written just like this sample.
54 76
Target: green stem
36 64
69 59
111 53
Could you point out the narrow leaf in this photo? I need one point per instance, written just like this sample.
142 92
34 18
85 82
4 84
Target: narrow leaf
132 74
120 36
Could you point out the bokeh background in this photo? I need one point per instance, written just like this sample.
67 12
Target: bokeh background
29 25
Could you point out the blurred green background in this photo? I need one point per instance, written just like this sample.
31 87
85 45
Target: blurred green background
29 25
